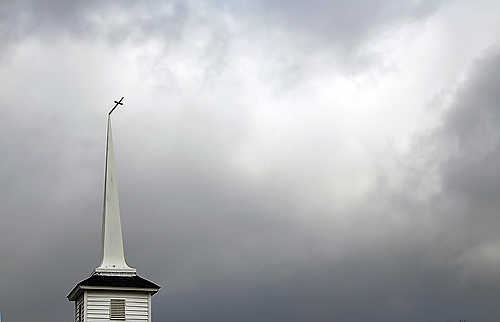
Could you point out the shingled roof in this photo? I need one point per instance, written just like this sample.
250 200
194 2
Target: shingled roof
97 281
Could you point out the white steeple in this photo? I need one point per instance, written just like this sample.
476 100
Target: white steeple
113 258
114 291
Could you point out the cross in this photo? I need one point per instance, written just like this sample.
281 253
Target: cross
117 103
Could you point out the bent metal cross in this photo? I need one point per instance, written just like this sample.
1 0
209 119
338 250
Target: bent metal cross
114 291
117 103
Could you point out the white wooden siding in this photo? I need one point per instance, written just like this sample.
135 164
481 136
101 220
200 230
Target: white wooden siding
137 305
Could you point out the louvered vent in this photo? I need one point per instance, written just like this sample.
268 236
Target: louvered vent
117 309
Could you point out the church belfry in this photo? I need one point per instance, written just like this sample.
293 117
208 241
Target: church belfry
114 291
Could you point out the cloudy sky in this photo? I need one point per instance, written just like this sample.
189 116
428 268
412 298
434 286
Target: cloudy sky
277 160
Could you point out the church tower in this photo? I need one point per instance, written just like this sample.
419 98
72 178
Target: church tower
114 291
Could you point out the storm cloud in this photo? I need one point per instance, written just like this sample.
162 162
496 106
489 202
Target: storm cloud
277 160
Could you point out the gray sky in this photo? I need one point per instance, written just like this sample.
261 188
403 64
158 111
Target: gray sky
277 160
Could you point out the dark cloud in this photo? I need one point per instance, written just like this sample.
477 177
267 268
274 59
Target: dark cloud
341 24
91 20
237 229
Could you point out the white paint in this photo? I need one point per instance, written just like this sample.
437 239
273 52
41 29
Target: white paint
113 258
97 304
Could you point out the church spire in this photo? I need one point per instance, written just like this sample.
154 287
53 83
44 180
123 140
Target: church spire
114 291
113 258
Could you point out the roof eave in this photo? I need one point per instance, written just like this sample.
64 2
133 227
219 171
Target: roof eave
114 288
75 292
